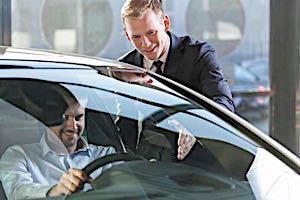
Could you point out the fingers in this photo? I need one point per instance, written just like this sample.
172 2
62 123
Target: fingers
180 130
181 138
77 178
181 153
186 140
71 181
185 146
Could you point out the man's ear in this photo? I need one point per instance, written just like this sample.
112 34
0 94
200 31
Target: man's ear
127 36
167 23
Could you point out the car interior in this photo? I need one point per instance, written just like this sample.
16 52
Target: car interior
24 121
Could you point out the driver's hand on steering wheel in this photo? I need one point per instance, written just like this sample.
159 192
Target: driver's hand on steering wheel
186 140
71 181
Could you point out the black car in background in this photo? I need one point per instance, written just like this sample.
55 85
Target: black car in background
250 94
134 110
259 68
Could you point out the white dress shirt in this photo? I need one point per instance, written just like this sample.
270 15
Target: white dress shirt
30 170
147 64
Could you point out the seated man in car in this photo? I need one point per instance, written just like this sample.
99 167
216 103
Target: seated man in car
52 167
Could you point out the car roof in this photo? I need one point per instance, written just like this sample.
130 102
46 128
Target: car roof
11 56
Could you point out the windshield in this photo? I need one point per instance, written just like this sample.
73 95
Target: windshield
153 141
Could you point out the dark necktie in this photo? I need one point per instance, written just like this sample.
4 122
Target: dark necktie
157 64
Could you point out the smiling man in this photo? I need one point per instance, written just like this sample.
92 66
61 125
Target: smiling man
69 133
52 167
192 63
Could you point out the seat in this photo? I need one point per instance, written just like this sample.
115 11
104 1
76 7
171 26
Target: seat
101 130
16 127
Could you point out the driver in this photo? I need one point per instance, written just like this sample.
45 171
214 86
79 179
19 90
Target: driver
52 166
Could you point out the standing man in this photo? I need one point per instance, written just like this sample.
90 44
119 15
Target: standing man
183 59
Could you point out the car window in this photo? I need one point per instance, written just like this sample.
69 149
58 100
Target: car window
138 118
17 126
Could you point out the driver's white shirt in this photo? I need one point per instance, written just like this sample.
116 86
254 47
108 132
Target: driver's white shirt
30 170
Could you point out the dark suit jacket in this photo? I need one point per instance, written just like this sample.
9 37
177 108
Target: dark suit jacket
193 64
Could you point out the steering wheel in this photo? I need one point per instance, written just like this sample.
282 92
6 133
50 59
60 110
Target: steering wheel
100 162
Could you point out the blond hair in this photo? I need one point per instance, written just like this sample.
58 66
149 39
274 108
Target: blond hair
137 8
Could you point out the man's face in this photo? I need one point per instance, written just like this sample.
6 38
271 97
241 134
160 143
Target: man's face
72 128
148 34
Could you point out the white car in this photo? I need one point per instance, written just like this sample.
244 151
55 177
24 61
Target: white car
141 115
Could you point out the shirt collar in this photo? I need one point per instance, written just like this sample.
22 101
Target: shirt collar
148 63
51 143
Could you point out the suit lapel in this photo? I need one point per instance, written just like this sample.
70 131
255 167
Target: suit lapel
138 59
175 53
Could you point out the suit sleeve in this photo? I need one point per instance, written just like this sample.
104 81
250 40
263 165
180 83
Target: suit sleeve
212 80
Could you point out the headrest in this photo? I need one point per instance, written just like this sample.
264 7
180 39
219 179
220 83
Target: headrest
45 102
